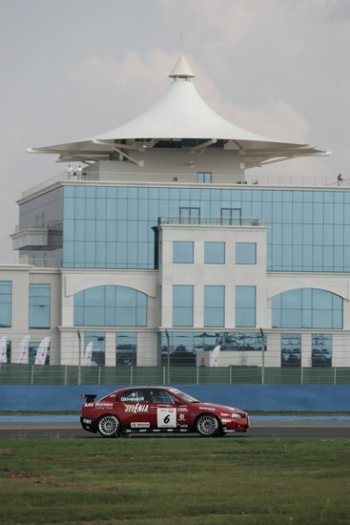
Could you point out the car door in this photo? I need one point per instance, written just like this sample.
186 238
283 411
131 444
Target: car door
166 413
134 410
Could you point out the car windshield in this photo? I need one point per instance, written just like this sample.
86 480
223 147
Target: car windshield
184 397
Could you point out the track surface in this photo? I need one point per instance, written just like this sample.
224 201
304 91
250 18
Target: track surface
262 428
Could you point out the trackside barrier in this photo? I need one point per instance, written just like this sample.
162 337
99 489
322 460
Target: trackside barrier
315 398
16 374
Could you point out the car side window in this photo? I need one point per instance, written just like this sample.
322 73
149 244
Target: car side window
133 396
161 396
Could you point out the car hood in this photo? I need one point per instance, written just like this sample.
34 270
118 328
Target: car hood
218 408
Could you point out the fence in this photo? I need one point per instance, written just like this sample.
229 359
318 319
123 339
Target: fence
16 374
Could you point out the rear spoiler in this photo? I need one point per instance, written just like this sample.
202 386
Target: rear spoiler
88 398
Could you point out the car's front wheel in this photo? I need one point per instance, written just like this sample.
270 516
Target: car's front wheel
207 425
108 426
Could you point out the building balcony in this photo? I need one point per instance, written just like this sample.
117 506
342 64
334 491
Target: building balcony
29 238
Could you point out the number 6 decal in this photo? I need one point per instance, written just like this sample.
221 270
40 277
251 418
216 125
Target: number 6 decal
166 417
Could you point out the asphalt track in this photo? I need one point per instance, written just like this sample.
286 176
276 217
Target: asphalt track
261 427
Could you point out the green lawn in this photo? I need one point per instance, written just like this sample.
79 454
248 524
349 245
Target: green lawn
172 480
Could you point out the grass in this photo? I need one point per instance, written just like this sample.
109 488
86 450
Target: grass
168 481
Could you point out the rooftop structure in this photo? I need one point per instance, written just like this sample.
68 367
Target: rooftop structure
180 119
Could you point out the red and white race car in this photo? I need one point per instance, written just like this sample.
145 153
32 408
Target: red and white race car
158 409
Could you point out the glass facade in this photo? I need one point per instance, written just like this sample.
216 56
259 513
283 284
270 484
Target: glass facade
290 350
98 347
182 305
245 306
45 211
245 253
126 348
321 350
191 342
5 304
214 305
32 351
307 308
183 252
110 306
112 227
39 305
214 253
204 177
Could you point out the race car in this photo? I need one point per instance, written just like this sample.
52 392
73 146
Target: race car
158 409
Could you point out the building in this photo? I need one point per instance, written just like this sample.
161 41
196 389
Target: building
161 249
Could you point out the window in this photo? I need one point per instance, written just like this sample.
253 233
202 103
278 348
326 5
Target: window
231 215
214 305
110 306
245 253
291 350
190 215
133 396
126 348
33 349
214 253
96 340
307 308
183 252
245 306
204 177
321 350
160 396
182 305
5 303
39 306
5 350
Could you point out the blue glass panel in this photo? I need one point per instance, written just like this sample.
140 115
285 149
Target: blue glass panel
245 306
214 305
321 350
5 304
321 216
126 349
291 350
182 305
214 253
183 252
245 253
97 340
39 306
110 305
307 308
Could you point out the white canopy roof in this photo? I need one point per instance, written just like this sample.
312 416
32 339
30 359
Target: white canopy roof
180 115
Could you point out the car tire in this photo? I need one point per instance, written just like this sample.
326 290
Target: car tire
108 426
208 425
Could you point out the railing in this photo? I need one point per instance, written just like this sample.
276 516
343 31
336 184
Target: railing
211 221
15 374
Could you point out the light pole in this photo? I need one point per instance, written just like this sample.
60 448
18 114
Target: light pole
263 347
79 357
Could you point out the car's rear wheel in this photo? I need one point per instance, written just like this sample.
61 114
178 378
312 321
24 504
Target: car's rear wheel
207 425
108 426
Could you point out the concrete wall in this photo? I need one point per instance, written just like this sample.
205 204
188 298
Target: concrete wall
316 398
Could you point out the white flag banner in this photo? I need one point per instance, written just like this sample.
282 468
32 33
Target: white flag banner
3 349
87 357
23 351
214 357
41 353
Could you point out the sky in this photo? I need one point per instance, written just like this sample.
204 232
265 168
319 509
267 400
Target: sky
71 69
